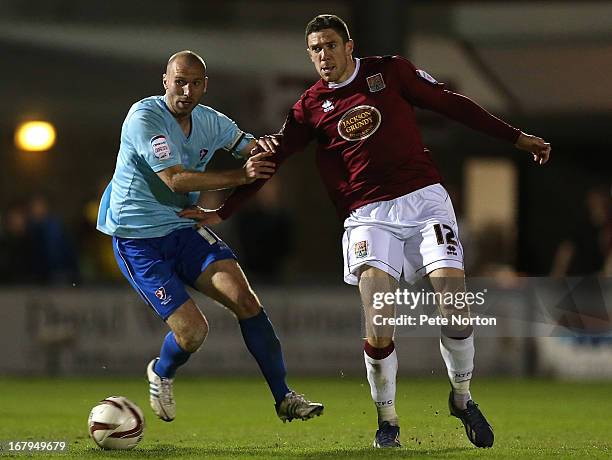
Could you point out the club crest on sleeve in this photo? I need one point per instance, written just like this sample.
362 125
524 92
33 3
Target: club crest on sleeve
375 82
361 249
327 106
161 148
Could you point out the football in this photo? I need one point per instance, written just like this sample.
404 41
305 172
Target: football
116 423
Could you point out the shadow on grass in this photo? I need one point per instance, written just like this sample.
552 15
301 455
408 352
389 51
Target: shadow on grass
174 451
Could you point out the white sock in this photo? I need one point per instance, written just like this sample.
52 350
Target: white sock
458 355
381 377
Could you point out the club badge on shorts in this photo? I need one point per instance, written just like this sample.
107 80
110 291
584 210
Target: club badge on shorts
361 249
375 82
161 295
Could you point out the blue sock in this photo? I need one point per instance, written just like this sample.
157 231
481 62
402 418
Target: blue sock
262 342
171 357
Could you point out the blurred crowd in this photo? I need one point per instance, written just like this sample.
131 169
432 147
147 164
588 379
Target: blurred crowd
587 246
36 247
39 248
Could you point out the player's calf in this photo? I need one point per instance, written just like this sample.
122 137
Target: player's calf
458 355
175 351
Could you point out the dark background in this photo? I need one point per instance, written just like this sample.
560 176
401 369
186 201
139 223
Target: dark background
86 90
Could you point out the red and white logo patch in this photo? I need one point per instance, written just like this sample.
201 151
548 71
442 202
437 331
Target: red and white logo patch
161 293
161 148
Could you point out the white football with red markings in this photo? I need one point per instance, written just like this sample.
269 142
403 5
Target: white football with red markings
116 423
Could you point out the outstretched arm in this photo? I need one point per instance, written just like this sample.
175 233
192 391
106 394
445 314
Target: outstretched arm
468 112
422 90
182 180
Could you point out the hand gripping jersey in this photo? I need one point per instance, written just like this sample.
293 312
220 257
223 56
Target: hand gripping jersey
369 147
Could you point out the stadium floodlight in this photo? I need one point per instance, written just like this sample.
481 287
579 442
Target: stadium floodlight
35 136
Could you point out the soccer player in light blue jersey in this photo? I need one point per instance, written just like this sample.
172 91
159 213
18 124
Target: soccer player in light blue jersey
166 143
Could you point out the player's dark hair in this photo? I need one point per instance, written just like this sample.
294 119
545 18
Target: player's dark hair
328 21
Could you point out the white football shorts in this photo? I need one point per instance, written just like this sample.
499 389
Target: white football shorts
413 234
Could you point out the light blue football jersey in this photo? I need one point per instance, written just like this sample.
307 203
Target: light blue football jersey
137 203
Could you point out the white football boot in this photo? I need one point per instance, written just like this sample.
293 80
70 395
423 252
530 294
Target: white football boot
296 406
160 394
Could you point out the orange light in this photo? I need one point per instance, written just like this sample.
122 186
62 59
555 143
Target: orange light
35 136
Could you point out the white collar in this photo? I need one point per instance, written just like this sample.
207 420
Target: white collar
347 81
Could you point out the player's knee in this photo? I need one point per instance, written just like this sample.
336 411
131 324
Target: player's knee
193 338
367 271
248 305
457 320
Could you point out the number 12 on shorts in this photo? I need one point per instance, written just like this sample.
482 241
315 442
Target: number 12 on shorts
449 234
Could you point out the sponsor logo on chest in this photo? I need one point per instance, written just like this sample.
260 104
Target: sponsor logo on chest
359 123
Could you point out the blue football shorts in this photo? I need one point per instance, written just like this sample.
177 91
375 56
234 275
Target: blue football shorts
159 268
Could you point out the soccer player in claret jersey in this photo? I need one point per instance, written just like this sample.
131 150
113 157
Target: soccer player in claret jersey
166 143
397 217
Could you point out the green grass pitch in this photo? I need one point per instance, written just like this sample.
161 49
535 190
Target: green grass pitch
234 418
